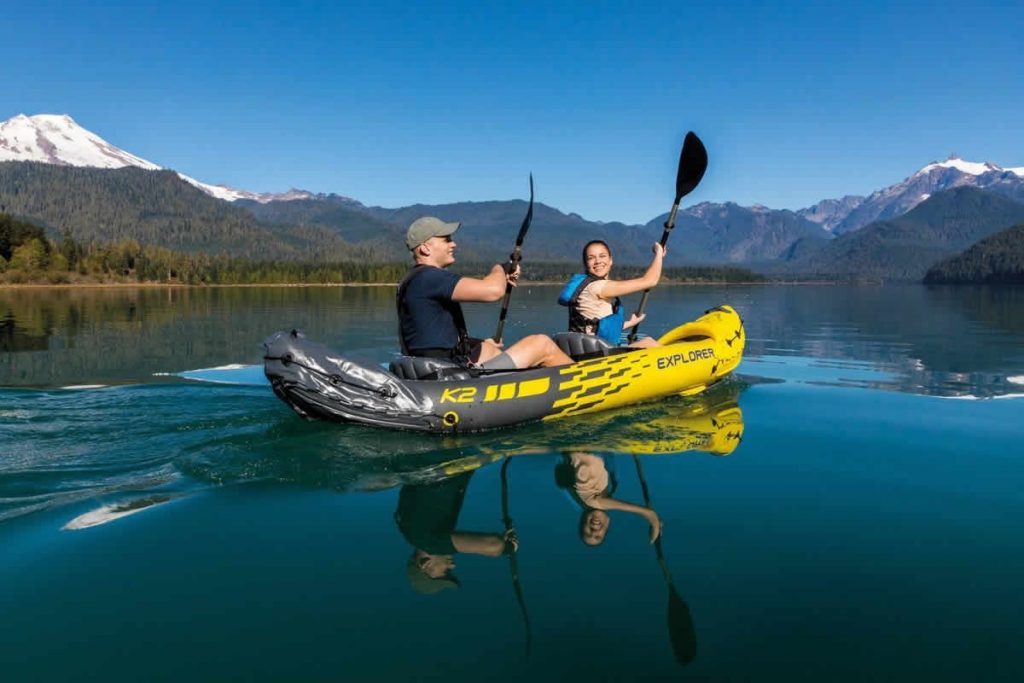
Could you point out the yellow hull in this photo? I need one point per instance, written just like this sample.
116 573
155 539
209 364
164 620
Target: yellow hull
690 357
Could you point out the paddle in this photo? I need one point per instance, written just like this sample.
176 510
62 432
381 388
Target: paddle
681 632
513 260
512 562
693 161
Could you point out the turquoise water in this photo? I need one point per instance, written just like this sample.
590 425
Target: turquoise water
866 527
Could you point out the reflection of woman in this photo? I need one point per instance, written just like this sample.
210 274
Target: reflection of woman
591 485
593 299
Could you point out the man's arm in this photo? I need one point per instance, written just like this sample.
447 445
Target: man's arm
476 543
486 289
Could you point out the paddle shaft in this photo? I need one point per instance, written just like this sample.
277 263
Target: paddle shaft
669 224
513 263
647 503
514 259
680 622
513 563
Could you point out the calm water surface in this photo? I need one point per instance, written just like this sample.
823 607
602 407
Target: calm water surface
850 507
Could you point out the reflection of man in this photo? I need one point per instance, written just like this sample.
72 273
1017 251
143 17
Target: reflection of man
426 516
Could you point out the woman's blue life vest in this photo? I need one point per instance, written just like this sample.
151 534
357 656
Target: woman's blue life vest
608 328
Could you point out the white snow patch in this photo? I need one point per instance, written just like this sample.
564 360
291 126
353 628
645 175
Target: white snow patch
968 167
58 139
1016 379
1019 170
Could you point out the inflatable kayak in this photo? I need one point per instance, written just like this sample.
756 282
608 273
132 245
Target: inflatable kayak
432 395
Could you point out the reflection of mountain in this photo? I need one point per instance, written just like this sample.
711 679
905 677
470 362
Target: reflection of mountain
59 337
345 457
929 336
924 335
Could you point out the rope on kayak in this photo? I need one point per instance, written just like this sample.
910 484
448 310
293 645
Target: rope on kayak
333 378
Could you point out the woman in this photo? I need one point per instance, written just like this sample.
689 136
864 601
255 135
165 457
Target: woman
586 478
593 299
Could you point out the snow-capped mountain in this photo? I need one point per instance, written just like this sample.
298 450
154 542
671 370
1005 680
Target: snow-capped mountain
57 139
852 213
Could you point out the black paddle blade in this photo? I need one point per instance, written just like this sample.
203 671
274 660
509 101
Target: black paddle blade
529 216
680 628
693 161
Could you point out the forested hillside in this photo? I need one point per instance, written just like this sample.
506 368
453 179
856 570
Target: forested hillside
906 247
151 207
995 259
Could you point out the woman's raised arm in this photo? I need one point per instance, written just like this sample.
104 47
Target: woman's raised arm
614 288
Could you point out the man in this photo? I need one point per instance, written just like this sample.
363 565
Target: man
427 515
430 315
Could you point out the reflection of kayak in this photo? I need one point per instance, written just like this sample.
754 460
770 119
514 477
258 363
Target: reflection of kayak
718 432
319 383
359 458
709 429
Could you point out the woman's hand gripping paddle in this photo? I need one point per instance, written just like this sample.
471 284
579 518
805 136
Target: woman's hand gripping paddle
513 263
693 161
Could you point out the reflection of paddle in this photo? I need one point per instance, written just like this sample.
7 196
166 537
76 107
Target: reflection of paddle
513 261
680 622
693 161
512 562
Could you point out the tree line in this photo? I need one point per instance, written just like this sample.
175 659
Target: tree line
27 256
998 259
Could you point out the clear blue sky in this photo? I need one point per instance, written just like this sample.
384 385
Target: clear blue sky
393 104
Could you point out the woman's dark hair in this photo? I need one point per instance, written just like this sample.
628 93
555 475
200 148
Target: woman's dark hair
591 243
565 474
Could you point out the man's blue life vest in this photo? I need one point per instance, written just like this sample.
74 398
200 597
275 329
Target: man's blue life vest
608 328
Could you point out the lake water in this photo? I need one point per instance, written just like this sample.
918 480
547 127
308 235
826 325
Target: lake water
849 507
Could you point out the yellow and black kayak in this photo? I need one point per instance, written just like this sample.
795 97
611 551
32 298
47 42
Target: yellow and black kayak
426 394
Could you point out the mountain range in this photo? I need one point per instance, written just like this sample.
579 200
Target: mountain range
48 154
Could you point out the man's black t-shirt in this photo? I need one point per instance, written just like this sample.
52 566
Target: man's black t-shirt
427 513
429 320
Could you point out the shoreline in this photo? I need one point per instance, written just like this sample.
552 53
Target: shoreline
538 283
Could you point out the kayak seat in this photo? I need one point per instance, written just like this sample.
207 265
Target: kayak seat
416 367
581 346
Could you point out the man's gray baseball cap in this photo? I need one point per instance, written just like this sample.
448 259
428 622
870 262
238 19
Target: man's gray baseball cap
422 229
